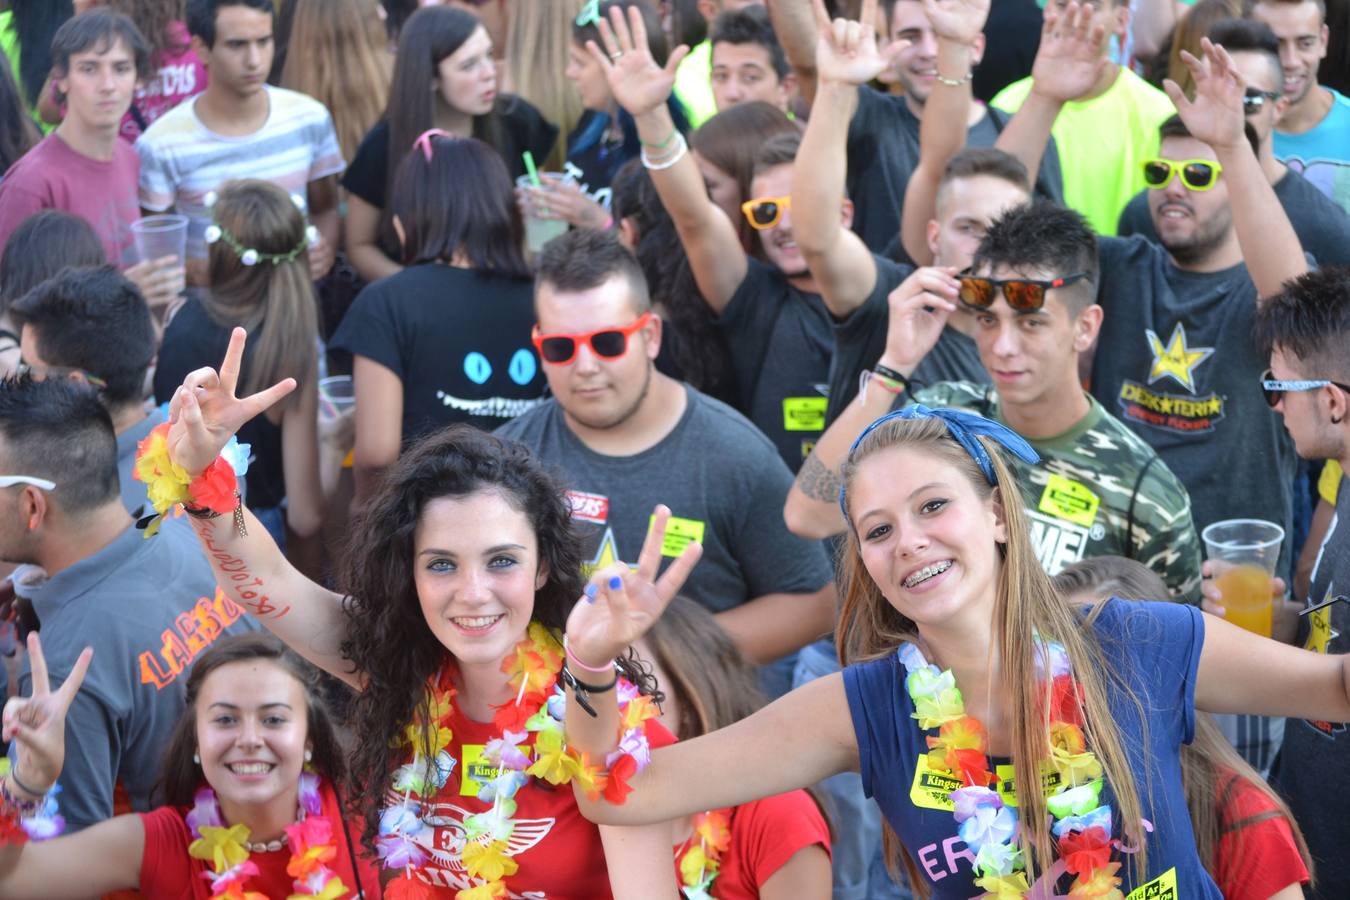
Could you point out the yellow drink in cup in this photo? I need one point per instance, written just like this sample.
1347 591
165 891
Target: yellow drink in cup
1246 597
1242 556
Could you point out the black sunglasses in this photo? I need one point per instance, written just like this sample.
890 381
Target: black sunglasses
1253 100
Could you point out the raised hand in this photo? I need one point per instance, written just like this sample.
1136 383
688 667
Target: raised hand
204 411
621 604
918 311
636 81
1215 115
1071 57
956 20
38 723
847 52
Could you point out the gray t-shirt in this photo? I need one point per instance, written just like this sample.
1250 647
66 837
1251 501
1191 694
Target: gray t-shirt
860 340
781 341
1322 227
148 608
1175 362
134 492
724 483
1311 768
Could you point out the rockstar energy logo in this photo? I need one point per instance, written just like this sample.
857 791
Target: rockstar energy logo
1185 415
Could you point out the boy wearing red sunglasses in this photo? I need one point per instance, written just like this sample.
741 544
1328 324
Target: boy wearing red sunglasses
629 437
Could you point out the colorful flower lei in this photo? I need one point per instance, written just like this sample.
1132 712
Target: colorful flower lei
700 864
168 484
538 710
225 848
1082 824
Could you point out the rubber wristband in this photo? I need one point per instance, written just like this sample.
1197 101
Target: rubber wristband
602 670
664 144
14 777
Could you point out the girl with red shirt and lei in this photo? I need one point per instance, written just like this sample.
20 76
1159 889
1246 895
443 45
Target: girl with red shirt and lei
457 579
777 848
964 668
251 810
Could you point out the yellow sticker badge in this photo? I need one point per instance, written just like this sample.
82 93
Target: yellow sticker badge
475 772
804 413
932 790
1070 500
679 533
1164 887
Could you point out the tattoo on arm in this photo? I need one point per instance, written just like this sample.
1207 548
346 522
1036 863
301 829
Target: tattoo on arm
818 481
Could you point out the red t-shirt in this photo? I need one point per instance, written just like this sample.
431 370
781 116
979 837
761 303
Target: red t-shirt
558 851
178 76
168 872
1253 862
764 836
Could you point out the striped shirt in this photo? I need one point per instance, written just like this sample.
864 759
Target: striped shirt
182 160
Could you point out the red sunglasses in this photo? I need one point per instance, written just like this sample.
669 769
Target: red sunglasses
606 343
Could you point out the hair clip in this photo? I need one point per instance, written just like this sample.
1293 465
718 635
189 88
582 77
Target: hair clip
423 141
589 15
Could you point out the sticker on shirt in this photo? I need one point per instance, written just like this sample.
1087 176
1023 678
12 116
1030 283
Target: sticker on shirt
1058 542
1176 361
588 507
1164 887
1073 501
933 789
680 533
1320 636
476 773
804 413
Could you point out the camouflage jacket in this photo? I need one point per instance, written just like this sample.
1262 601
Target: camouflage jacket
1099 490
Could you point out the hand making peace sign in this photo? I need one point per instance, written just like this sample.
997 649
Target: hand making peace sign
38 723
204 412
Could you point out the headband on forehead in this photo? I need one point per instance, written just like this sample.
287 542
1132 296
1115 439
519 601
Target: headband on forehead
966 429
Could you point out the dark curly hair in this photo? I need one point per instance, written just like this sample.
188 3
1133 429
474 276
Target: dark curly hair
388 640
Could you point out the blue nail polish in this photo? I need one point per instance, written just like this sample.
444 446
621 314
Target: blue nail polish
591 591
615 583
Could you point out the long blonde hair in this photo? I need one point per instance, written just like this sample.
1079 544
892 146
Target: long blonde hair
536 55
274 302
1027 604
342 60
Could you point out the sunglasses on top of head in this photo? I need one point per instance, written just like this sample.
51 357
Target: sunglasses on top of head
1196 174
606 343
1022 294
1275 389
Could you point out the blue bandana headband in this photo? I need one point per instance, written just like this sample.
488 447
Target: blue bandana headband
965 428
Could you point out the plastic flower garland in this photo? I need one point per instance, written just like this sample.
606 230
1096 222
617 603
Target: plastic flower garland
22 821
225 848
248 255
538 710
168 484
700 864
1082 824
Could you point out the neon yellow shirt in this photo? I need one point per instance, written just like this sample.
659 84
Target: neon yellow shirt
1103 143
693 85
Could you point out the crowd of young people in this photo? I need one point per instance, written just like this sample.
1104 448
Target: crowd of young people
818 514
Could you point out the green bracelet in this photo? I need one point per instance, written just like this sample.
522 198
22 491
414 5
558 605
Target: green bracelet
674 132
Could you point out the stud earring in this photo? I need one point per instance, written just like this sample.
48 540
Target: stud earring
196 759
309 754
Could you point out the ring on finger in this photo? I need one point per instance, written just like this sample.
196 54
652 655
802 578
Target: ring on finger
615 55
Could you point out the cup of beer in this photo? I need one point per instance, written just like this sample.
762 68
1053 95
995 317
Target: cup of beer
1242 557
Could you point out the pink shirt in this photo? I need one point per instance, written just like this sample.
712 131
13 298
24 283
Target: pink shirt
54 176
178 77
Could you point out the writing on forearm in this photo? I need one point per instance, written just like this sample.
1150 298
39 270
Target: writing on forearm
818 481
248 589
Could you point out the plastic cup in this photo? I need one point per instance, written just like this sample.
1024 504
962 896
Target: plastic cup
160 236
337 397
1243 554
539 231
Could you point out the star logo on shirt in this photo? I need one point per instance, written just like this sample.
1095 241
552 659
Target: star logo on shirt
1320 632
606 553
1177 360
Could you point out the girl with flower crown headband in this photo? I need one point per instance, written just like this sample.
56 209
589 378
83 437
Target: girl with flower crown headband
249 783
1018 746
457 581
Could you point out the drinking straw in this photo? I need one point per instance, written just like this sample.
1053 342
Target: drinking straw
528 157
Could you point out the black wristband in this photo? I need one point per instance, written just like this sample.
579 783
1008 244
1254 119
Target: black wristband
582 691
888 372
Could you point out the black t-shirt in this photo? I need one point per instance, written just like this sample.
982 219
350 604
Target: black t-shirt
883 151
192 340
1175 361
457 339
1012 37
1310 770
781 342
1322 227
860 340
522 128
593 159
